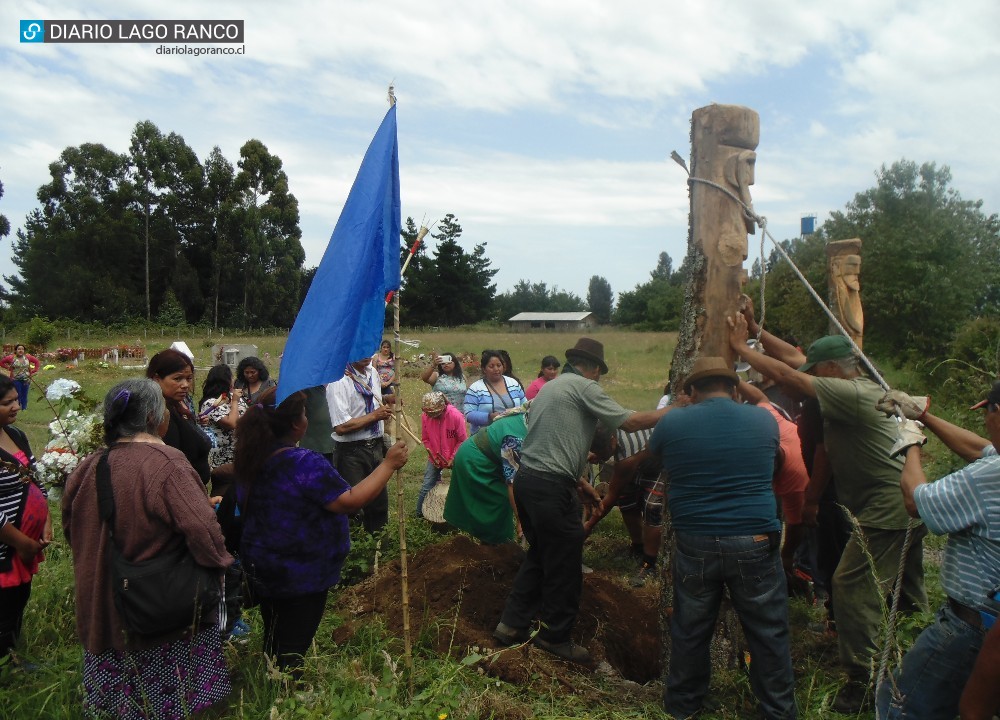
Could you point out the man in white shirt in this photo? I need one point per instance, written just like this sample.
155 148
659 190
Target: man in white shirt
358 415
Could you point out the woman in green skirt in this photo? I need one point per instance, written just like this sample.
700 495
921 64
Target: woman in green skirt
480 498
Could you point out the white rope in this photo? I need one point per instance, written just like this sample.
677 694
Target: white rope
908 539
763 281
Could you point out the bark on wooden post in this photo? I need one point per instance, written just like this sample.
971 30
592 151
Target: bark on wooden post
723 140
843 269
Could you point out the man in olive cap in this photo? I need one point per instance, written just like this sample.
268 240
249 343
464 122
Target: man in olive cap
561 423
965 506
862 447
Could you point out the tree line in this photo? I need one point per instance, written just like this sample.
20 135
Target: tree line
155 233
930 266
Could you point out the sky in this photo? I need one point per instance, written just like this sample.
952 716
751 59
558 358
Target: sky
545 127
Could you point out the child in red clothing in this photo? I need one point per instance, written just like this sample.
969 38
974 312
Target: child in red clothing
442 429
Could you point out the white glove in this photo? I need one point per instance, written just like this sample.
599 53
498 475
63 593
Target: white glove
909 435
913 407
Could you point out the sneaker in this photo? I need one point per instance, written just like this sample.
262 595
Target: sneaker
506 635
586 569
646 572
566 650
854 698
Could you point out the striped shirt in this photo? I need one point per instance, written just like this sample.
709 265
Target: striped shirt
12 486
966 506
631 443
481 400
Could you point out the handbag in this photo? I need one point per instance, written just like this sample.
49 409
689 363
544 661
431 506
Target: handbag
160 595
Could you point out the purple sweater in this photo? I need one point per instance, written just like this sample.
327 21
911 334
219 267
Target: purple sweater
291 543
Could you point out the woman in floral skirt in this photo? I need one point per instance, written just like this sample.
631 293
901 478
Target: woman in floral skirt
160 504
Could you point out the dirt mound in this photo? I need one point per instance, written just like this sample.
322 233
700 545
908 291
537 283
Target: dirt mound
457 594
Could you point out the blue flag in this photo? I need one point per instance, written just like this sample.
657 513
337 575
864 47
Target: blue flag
343 314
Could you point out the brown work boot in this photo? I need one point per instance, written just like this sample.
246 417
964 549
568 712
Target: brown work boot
506 635
566 650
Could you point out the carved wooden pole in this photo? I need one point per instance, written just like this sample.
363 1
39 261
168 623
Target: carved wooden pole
723 139
843 269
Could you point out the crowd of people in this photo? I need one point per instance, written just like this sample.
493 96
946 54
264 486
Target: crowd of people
264 494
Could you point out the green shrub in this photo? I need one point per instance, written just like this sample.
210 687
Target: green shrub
39 333
171 312
973 362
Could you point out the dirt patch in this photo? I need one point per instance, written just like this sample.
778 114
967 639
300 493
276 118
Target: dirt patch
457 594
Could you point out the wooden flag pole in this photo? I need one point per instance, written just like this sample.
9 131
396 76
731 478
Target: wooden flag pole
400 501
401 507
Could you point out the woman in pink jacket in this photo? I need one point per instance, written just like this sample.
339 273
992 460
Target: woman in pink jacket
442 428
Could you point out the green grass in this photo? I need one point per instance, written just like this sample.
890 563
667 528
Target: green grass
365 678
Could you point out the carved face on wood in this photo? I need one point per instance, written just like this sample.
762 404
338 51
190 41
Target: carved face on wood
739 175
847 268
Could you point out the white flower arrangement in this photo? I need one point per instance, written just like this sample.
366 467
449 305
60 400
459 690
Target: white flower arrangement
74 434
61 390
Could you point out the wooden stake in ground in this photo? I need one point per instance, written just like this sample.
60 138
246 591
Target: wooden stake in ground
401 503
843 269
723 140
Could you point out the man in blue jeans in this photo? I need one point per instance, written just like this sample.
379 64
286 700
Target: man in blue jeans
965 505
719 456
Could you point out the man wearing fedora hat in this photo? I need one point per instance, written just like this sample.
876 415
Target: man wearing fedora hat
965 506
720 457
561 423
861 445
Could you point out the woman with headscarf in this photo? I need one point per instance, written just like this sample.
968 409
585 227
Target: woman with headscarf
160 506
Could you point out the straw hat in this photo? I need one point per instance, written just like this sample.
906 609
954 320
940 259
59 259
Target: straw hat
709 366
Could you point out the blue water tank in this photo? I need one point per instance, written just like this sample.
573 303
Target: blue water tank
808 224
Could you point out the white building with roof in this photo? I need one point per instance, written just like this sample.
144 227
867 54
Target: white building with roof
552 321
